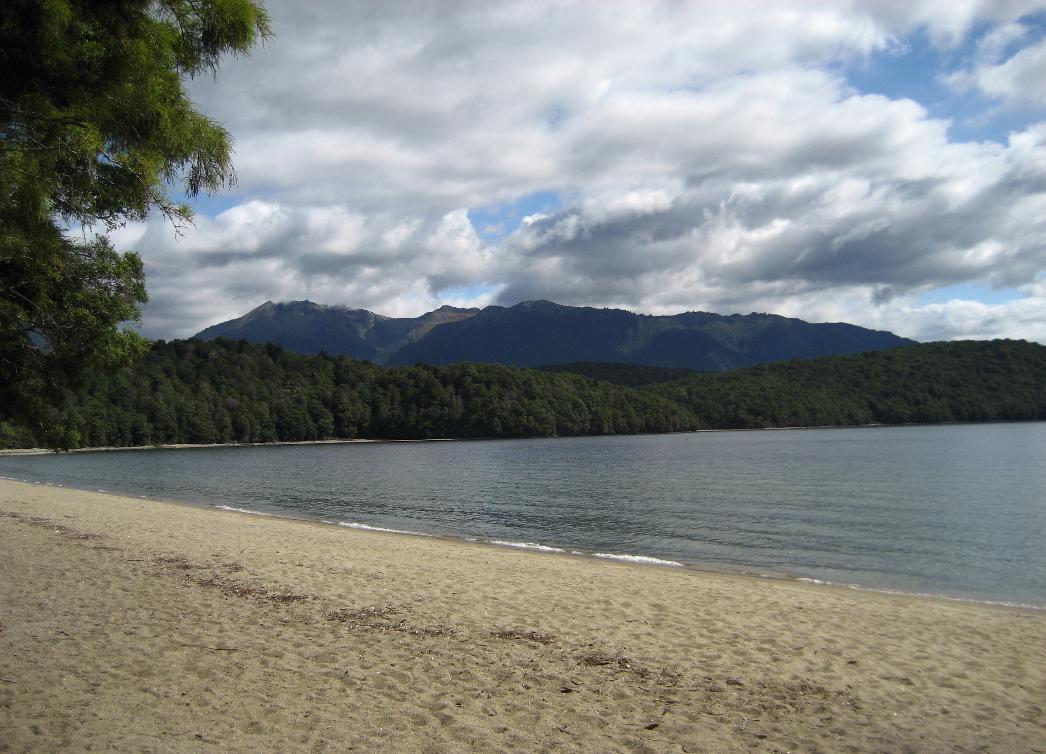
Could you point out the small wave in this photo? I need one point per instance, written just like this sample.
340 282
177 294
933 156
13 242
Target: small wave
637 559
524 545
924 595
949 598
241 510
368 527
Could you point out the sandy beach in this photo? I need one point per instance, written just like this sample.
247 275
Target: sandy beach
136 625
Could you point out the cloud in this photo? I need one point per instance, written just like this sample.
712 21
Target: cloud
260 250
1020 319
865 192
705 155
947 22
1017 79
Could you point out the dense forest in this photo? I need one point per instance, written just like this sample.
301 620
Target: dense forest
965 381
234 391
629 375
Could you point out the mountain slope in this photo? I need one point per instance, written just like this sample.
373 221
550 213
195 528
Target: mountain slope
305 327
538 333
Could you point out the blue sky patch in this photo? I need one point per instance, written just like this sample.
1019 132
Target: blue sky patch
214 205
466 293
915 69
981 292
494 222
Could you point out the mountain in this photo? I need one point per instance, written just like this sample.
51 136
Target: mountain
305 327
538 333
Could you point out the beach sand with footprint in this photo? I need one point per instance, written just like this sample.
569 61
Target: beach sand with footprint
132 625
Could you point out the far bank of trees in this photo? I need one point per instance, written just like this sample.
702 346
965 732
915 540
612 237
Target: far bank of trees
236 392
965 381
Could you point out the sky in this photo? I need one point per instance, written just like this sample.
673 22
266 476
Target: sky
881 163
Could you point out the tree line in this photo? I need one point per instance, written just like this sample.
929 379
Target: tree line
963 381
237 392
233 391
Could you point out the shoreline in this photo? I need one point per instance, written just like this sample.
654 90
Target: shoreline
136 624
340 441
622 559
537 548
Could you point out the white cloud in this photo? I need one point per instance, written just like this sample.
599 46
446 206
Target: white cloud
1021 319
710 155
1016 80
259 250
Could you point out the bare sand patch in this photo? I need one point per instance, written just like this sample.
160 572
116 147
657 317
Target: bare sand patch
134 625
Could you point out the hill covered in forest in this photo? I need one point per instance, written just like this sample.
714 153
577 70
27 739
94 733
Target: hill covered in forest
962 381
234 391
538 333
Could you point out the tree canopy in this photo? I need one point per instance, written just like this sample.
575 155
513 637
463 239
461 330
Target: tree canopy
96 129
233 391
962 381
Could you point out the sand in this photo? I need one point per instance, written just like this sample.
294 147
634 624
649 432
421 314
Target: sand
137 625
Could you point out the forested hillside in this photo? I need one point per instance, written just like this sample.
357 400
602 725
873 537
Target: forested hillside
233 391
964 381
629 375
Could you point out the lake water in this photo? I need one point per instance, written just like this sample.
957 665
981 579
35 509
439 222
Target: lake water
957 510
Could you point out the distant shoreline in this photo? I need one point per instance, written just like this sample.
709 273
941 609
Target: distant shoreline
189 445
362 440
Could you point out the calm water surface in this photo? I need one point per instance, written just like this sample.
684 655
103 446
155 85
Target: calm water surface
952 510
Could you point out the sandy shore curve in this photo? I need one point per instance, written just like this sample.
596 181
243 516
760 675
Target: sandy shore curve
137 625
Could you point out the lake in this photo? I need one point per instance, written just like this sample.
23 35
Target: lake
957 511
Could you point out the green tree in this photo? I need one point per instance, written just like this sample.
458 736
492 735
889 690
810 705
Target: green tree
95 129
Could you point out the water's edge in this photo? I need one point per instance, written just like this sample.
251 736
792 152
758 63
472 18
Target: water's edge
622 559
361 440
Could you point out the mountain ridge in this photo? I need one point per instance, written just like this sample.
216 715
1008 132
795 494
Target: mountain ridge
308 327
541 332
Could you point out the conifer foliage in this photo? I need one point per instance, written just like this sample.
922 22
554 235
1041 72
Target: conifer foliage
95 129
